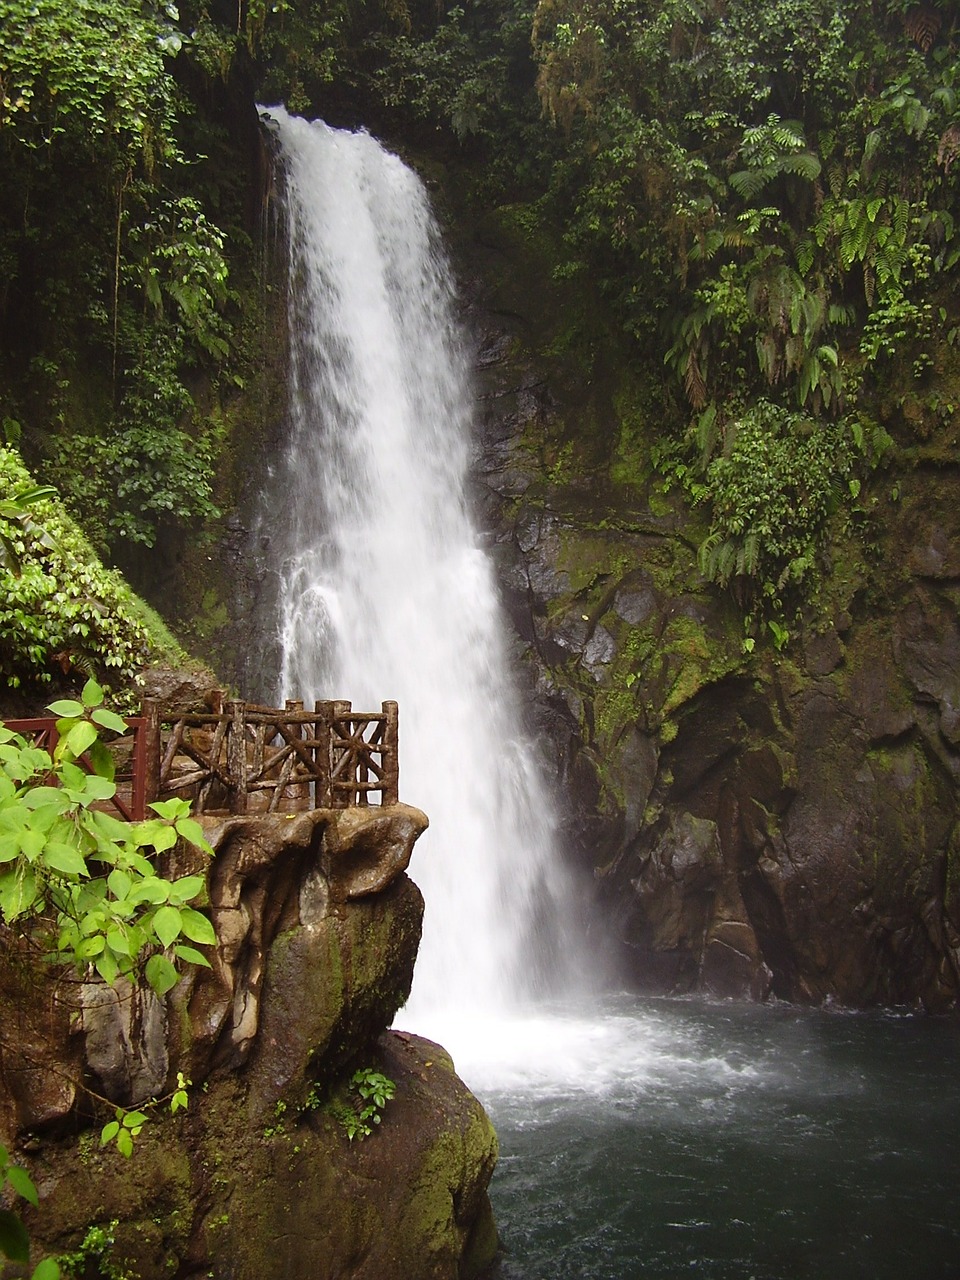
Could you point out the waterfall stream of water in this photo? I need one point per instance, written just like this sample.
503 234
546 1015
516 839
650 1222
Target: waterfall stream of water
385 590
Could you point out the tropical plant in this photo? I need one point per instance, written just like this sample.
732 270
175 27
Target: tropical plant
80 881
60 609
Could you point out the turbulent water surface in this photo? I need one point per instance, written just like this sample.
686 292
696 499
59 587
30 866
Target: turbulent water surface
665 1139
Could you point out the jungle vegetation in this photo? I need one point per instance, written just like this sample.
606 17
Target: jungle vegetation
762 195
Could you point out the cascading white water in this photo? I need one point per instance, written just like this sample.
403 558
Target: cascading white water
385 590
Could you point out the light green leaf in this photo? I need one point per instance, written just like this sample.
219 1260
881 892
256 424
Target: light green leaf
197 927
91 695
171 809
65 859
192 832
151 889
87 948
22 1183
161 974
125 1143
190 955
80 737
119 883
158 834
186 888
109 720
107 967
118 942
47 1269
168 924
66 709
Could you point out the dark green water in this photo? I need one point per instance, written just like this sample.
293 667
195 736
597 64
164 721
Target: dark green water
673 1139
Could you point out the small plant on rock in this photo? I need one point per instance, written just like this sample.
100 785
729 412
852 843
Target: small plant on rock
370 1091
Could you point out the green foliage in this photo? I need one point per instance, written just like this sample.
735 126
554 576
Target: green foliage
59 607
127 1124
80 879
95 1250
368 1093
89 73
16 508
771 492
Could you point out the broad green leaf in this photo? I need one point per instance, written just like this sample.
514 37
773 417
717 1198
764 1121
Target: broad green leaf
171 809
9 848
192 832
40 797
157 833
187 888
151 889
18 892
80 737
31 843
91 694
109 720
107 967
191 955
22 1183
111 828
119 883
47 1269
125 1143
64 859
118 942
66 709
87 948
168 923
14 1241
102 760
96 788
134 1120
161 974
197 927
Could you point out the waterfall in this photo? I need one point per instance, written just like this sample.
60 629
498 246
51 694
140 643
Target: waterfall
385 590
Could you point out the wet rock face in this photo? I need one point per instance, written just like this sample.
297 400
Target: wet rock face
318 928
220 1191
773 822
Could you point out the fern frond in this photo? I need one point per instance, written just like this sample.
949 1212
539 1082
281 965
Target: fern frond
804 164
748 183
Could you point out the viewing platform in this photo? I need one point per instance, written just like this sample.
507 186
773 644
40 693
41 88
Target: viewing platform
238 757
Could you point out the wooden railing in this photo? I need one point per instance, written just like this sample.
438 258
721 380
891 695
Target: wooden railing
130 799
242 758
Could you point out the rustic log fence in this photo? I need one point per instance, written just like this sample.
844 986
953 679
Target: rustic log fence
243 758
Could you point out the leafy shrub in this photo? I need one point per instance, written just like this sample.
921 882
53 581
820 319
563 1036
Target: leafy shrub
59 606
771 492
82 876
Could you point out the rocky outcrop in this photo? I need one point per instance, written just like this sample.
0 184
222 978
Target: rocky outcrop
318 928
764 821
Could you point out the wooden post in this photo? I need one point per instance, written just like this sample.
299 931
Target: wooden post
323 754
296 796
341 797
391 755
150 781
236 757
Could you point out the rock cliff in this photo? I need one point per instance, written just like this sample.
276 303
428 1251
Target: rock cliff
775 821
318 928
